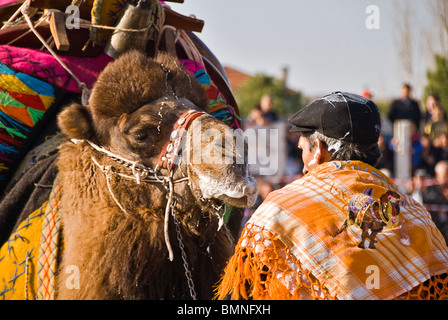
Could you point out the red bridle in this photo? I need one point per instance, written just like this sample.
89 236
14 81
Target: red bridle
171 150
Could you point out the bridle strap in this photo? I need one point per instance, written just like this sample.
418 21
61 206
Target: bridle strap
167 159
171 150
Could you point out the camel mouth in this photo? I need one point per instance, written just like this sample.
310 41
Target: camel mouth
241 194
243 202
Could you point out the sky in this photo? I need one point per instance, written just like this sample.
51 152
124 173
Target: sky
325 44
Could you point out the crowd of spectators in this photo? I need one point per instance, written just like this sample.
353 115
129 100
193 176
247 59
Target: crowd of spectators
429 181
429 135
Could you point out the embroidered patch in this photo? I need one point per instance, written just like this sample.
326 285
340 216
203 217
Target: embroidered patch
371 214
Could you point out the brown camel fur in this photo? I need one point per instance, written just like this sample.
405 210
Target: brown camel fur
121 253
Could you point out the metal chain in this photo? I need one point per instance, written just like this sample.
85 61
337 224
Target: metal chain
188 274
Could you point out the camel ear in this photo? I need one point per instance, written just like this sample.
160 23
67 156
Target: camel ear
75 122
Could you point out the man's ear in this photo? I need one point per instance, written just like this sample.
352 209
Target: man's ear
75 122
322 155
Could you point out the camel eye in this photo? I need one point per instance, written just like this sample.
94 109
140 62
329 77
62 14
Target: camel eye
140 136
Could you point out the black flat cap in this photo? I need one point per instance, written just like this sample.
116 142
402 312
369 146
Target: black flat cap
340 115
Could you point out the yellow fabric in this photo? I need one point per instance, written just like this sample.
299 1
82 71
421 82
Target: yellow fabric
46 100
12 83
19 259
109 12
29 259
99 15
287 250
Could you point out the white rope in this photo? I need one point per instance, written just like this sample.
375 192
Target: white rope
133 164
18 11
107 171
85 24
165 180
85 91
166 221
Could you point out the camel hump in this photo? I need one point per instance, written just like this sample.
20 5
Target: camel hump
360 202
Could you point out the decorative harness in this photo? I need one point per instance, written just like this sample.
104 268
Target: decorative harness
170 155
362 203
388 212
168 158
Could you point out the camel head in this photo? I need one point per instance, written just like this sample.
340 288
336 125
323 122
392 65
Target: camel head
132 113
390 204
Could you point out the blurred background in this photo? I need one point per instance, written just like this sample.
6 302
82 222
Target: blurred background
324 45
281 55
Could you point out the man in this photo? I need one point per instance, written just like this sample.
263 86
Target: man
405 107
305 240
266 107
435 198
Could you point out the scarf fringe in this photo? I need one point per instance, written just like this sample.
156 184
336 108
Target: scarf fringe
262 269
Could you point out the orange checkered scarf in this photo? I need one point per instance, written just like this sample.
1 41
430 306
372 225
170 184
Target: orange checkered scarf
287 250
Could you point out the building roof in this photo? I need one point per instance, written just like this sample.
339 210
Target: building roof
236 77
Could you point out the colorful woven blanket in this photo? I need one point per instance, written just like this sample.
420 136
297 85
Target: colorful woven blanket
288 251
28 79
218 106
43 66
23 102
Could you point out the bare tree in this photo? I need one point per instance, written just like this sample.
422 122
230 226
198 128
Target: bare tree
404 37
439 39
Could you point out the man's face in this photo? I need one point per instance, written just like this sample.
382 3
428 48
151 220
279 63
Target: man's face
308 157
405 92
442 175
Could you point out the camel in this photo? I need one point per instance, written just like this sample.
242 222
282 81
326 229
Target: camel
139 220
368 213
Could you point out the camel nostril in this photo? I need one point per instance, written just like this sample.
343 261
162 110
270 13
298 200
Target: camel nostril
250 189
251 193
